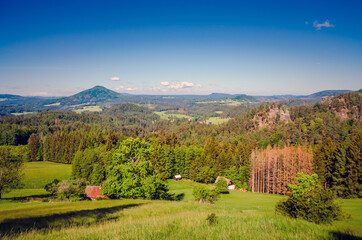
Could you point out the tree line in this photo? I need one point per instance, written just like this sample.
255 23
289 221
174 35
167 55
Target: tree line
264 159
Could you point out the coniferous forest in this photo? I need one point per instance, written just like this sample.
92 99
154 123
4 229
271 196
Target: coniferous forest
262 149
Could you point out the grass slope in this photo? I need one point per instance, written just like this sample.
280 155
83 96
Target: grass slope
36 175
240 216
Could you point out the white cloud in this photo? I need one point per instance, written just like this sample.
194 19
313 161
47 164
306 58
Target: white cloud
114 79
174 85
178 85
319 26
119 88
156 89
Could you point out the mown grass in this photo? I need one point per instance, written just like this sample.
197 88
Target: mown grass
53 104
37 174
167 115
136 219
22 113
228 102
217 120
89 109
239 216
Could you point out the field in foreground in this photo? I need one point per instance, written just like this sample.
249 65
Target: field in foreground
239 216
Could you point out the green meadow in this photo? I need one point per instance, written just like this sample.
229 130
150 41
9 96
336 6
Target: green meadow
167 115
88 109
217 120
239 215
37 174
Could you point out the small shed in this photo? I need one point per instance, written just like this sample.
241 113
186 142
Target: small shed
231 184
177 177
93 192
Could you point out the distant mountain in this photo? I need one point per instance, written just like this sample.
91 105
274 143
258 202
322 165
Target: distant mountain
317 95
93 95
220 95
10 97
327 93
244 98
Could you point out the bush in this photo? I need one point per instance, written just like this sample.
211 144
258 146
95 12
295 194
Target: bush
135 180
211 219
52 187
203 193
222 186
73 190
310 201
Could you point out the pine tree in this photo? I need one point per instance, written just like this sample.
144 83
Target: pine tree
337 183
323 161
111 141
353 167
34 145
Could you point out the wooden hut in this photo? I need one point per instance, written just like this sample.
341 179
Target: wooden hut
177 177
231 184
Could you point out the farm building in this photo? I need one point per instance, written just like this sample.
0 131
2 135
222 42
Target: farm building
93 192
177 177
231 184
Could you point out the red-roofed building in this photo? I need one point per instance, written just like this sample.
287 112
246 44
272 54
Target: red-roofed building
93 192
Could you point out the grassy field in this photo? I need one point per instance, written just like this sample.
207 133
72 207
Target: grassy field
89 109
227 102
53 104
22 113
36 175
239 216
217 120
167 115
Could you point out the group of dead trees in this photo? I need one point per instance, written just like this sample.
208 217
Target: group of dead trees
272 169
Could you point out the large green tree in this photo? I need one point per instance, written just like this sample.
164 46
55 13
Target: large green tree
10 170
135 180
131 174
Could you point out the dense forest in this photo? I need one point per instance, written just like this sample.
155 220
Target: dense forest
261 148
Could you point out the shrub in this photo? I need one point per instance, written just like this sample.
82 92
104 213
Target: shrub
203 193
135 180
65 190
73 190
211 219
310 201
52 186
222 186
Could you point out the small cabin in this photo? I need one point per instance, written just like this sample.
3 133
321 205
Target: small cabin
93 192
231 184
177 177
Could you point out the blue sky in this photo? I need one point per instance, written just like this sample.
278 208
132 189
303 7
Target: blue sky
58 48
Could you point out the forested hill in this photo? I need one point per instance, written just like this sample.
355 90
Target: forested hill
202 151
10 97
94 95
327 93
244 98
129 113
